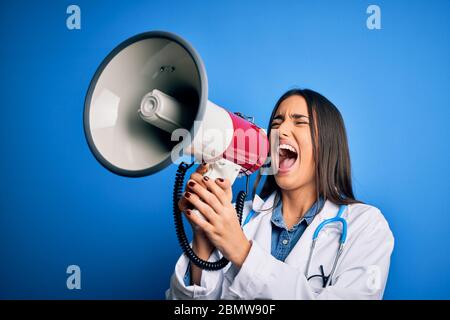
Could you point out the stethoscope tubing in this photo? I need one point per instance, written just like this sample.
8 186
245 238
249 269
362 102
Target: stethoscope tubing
337 219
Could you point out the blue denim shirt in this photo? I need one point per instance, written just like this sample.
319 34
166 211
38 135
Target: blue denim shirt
283 239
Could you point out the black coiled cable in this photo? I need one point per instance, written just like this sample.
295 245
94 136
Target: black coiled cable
179 226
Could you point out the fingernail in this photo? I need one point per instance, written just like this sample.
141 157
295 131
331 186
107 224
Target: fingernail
220 179
203 163
187 195
191 183
206 178
188 212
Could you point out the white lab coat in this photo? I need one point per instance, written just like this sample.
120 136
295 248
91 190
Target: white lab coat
361 272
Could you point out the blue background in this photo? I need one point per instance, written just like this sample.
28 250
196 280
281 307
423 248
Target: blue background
59 206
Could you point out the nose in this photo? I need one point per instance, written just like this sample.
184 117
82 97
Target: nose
284 129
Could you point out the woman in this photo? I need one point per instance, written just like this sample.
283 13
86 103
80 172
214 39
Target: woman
269 254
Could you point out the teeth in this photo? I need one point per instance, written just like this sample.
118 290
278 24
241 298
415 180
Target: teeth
288 147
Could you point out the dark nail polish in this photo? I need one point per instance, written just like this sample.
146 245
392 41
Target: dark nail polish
188 212
191 183
206 178
220 179
187 195
203 163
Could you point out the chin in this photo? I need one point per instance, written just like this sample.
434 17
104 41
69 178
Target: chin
287 182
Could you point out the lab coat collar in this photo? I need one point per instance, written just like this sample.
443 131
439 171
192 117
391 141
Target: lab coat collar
260 205
328 211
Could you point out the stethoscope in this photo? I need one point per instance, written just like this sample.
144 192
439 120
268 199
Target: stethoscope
326 280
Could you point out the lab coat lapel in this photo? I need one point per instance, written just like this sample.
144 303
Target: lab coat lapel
262 231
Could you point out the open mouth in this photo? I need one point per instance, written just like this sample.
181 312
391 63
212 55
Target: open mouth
287 157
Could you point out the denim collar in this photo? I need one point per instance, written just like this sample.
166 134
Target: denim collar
278 220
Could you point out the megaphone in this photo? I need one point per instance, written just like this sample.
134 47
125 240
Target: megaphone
147 106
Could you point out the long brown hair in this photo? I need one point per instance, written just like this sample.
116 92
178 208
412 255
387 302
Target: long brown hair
330 151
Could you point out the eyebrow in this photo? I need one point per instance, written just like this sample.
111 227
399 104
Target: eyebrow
292 116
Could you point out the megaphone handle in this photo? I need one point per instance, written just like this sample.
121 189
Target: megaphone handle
224 169
179 228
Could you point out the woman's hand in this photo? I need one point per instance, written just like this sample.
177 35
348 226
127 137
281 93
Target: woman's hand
213 199
201 245
200 241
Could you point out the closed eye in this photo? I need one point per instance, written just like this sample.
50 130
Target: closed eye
275 124
296 123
